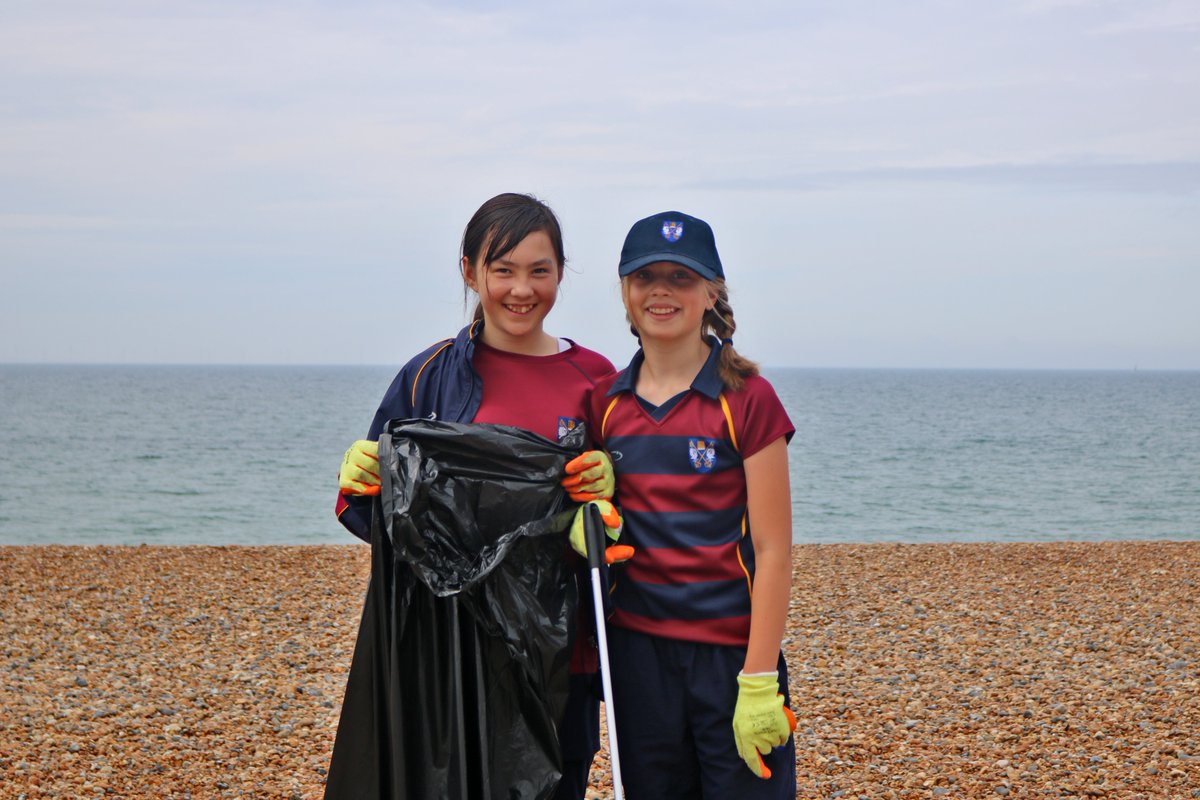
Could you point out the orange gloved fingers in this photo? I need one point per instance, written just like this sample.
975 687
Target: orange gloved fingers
362 490
576 479
583 462
617 554
765 771
610 515
589 477
758 724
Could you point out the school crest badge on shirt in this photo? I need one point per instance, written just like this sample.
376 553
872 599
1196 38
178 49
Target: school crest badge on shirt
703 454
566 425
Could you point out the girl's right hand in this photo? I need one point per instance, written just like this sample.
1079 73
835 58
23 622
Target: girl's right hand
360 469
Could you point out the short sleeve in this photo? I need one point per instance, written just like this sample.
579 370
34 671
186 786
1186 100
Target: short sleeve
598 404
759 416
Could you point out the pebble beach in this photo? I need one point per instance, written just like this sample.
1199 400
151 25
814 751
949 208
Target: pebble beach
1057 670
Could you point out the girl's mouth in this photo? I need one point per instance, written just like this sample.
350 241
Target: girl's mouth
661 311
522 310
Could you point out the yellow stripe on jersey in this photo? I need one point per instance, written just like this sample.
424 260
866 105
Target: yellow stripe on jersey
729 421
607 411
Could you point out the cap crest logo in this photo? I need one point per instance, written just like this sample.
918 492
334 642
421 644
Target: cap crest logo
703 454
671 231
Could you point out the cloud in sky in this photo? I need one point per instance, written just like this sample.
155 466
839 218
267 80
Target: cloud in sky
922 184
1169 178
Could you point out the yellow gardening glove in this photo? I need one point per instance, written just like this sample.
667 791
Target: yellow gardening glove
612 526
760 720
590 477
360 469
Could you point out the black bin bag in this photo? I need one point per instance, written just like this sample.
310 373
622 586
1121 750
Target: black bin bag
459 675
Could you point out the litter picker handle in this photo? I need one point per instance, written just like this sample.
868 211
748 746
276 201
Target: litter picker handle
593 535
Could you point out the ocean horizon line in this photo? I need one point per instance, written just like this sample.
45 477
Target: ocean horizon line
396 365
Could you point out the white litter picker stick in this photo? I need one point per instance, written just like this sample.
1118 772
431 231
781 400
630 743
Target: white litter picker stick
593 533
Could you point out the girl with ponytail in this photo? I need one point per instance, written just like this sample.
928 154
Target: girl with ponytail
502 368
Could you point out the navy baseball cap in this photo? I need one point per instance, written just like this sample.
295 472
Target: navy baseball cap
671 236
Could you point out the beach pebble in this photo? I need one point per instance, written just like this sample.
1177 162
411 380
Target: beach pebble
947 670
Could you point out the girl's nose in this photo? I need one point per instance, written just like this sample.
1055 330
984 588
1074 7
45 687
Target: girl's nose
521 286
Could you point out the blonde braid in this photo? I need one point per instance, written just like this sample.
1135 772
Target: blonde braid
718 320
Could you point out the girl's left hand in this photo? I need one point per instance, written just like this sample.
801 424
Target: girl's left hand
612 526
760 720
590 477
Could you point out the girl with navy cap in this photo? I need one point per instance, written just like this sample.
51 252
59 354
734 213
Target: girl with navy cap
698 441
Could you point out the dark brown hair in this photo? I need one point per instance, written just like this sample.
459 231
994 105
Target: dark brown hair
500 225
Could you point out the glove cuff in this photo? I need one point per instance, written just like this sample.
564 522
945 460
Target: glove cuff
756 683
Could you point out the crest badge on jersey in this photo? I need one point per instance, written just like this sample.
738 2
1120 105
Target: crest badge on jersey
671 231
703 454
566 425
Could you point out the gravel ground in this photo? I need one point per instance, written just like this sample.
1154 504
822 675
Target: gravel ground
1065 670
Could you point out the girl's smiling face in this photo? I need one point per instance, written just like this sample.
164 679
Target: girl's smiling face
666 300
517 291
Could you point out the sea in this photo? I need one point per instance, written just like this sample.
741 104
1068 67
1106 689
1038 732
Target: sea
249 455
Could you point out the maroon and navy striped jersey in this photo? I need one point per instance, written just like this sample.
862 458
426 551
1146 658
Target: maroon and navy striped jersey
681 489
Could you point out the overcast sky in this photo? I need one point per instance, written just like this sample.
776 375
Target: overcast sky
917 184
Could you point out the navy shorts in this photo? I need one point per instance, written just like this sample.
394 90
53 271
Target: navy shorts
674 704
579 736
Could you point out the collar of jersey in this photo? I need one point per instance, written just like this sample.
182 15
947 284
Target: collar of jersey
707 382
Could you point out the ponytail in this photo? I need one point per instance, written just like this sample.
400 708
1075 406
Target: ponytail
733 367
497 227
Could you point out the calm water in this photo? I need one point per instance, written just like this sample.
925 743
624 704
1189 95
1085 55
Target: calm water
249 455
